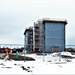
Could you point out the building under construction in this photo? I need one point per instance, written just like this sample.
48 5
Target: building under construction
28 41
47 35
39 39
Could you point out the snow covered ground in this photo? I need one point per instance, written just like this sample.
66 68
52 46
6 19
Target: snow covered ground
49 64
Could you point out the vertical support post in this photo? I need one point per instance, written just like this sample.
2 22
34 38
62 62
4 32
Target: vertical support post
59 52
44 42
33 38
24 46
64 36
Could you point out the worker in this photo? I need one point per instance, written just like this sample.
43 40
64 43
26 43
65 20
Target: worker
16 54
7 53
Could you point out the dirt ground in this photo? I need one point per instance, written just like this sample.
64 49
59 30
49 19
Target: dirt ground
20 58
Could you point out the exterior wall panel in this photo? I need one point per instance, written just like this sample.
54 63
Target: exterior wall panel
54 36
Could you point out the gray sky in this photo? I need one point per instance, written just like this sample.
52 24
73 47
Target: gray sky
16 15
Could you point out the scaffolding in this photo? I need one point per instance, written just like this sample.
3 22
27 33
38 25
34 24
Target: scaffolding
39 36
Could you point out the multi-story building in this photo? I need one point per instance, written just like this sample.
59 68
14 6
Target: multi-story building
49 35
28 34
38 36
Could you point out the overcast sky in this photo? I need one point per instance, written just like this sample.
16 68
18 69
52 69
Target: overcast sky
16 15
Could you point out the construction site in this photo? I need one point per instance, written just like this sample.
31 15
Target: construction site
48 35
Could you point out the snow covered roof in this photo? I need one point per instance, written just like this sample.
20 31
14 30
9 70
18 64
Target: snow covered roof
28 29
55 20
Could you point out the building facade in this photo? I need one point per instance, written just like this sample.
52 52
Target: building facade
28 40
49 35
39 40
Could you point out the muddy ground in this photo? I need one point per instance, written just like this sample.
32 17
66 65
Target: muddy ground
20 58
